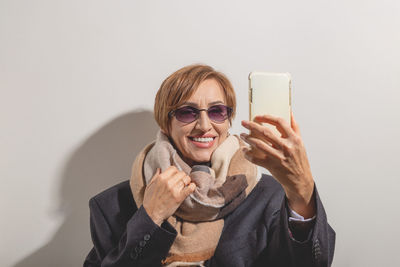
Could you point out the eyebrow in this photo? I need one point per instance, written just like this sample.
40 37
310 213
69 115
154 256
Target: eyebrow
209 104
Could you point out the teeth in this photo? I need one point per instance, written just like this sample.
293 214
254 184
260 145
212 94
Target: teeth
203 140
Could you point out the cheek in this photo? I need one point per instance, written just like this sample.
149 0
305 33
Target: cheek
179 137
223 130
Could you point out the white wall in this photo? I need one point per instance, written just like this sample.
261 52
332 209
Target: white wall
78 80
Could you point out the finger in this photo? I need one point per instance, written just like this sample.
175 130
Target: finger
247 138
261 145
189 189
253 159
186 180
278 122
281 124
249 153
178 180
171 170
172 179
181 183
294 124
263 131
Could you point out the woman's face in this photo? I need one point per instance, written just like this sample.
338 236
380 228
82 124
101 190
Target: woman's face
186 135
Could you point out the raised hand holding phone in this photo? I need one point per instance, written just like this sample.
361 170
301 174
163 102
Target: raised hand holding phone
275 140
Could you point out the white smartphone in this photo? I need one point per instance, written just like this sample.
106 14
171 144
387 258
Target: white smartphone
270 93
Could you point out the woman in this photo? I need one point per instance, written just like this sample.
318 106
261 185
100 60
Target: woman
195 197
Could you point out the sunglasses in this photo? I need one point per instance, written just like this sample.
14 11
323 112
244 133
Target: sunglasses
188 114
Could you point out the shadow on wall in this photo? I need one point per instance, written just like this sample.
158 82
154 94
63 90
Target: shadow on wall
103 160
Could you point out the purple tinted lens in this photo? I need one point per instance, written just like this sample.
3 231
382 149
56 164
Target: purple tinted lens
186 114
218 113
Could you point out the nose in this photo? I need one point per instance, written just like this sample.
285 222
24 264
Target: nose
203 122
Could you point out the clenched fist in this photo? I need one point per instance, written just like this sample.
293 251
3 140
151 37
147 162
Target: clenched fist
165 193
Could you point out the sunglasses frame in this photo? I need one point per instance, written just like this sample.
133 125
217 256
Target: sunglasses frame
229 113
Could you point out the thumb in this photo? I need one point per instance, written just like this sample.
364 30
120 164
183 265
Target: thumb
294 124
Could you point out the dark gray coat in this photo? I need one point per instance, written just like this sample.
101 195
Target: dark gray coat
256 233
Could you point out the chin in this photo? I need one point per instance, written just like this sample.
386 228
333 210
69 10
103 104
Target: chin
203 159
199 158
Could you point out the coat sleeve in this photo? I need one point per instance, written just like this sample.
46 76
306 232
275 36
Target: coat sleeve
283 249
143 243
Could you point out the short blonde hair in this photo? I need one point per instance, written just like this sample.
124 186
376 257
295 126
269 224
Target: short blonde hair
181 85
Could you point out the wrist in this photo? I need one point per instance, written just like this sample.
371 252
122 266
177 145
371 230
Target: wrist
152 216
301 200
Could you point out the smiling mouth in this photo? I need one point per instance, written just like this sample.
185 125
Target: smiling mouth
202 139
